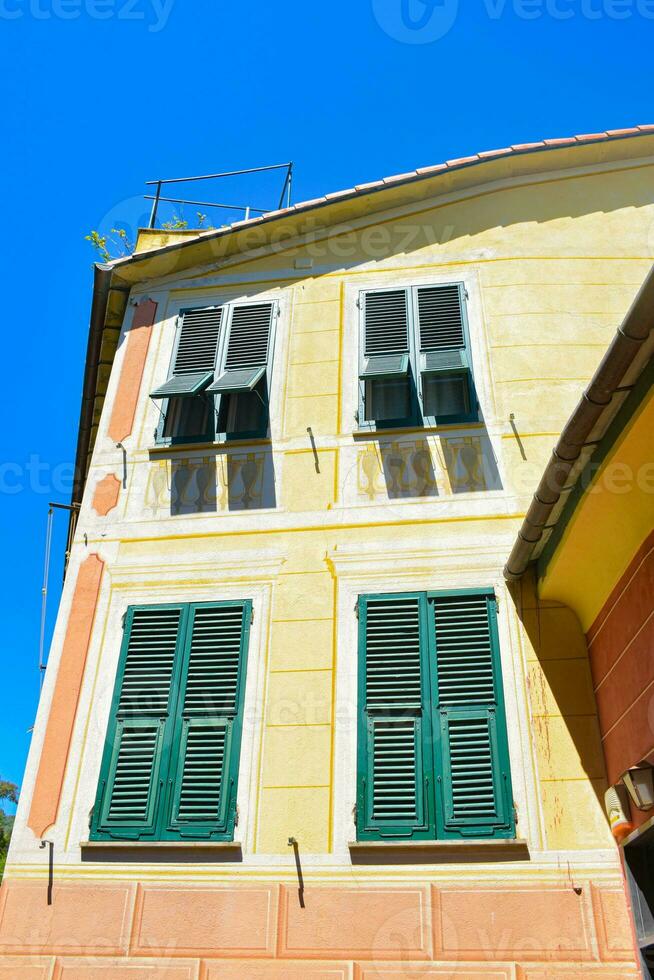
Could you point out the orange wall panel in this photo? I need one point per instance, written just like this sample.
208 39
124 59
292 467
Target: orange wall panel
59 730
131 375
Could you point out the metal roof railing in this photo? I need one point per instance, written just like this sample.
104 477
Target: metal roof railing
247 209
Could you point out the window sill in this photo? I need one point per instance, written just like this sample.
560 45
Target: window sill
150 852
438 852
182 448
412 429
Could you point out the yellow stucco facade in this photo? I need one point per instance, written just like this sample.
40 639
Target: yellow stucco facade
551 250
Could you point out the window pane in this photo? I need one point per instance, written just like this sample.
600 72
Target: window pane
446 395
387 398
244 412
187 418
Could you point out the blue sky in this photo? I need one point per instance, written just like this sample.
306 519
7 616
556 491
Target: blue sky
100 95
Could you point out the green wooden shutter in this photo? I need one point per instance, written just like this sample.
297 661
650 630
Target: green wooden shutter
206 745
195 353
446 381
395 788
248 348
133 768
385 334
476 798
440 318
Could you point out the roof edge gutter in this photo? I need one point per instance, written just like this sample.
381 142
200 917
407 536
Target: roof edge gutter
624 347
102 276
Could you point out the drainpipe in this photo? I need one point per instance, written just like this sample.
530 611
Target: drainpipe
626 344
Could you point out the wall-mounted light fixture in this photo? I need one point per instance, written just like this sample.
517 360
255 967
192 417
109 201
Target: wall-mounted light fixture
639 781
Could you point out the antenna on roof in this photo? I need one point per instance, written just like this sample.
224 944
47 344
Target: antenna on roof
247 209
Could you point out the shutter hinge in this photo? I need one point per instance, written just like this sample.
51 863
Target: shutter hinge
236 815
465 293
354 813
123 619
358 302
356 609
251 615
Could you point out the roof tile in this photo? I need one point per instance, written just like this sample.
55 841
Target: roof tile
367 187
461 161
518 147
431 170
397 177
486 154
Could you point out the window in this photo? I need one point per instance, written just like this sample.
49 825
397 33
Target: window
433 759
414 364
218 384
170 765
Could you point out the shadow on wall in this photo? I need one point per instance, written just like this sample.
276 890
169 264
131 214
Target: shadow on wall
564 720
227 480
428 466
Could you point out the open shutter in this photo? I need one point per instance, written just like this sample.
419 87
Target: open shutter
195 353
208 734
248 346
441 329
446 382
476 785
394 765
385 335
132 775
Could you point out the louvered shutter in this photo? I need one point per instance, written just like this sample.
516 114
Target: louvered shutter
394 768
207 740
133 770
248 348
441 329
385 334
476 791
195 354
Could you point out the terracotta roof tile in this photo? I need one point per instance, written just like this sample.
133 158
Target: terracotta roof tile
461 161
486 154
521 147
399 177
431 170
366 187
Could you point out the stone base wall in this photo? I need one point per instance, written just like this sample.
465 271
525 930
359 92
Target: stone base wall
261 931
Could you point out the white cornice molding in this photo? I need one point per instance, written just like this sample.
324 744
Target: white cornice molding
257 568
395 563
